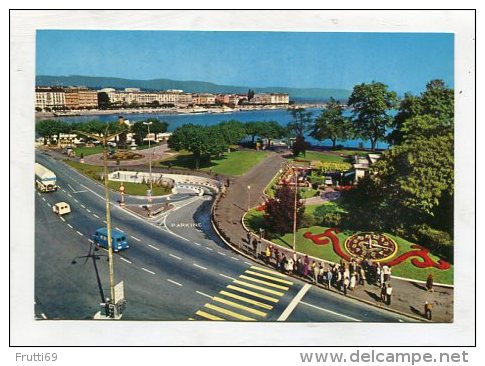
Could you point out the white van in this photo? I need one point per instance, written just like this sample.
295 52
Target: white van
61 208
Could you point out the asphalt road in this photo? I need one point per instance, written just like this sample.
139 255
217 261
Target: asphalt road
175 269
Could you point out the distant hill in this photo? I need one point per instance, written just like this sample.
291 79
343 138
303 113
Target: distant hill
188 86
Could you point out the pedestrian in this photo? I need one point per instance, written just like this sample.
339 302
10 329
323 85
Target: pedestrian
388 294
283 263
314 271
383 293
353 282
268 253
429 283
248 236
428 307
306 264
329 278
362 276
321 272
258 248
386 273
289 266
346 284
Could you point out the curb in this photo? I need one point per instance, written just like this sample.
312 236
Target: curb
230 245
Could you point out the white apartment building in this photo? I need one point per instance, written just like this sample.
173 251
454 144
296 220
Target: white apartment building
50 98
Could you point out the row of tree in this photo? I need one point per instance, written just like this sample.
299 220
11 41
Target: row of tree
50 129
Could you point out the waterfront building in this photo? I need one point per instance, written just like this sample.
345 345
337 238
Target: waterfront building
50 97
204 99
81 98
270 98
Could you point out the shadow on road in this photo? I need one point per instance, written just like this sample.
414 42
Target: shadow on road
94 257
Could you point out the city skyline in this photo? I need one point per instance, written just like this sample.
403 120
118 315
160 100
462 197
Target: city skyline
403 61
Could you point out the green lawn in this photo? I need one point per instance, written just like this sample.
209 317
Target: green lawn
254 220
134 189
322 156
307 192
88 150
234 163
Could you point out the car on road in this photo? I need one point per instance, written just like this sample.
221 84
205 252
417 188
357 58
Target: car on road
61 208
118 239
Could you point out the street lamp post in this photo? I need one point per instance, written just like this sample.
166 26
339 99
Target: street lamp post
150 162
249 198
104 140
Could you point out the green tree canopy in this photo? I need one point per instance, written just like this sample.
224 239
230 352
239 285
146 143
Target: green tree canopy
371 104
301 121
140 130
331 124
51 128
201 141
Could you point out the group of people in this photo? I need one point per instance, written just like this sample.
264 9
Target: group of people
343 276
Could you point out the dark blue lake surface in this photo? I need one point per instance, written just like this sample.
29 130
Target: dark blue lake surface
206 119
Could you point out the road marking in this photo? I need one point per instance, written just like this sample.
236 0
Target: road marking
239 306
230 278
269 277
38 194
221 253
75 200
175 283
80 233
91 240
207 315
126 260
248 300
330 311
105 221
134 237
264 289
208 248
174 256
88 210
83 206
228 312
147 270
236 259
96 216
151 246
196 243
62 218
292 305
201 293
70 226
48 204
69 195
249 264
196 265
266 283
43 316
43 199
269 271
117 228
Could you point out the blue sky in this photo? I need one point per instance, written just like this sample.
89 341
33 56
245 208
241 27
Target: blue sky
404 61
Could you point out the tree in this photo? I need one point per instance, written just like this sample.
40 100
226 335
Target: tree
279 210
331 124
301 121
264 129
140 130
233 131
201 141
254 128
436 101
103 100
250 94
50 128
299 146
371 104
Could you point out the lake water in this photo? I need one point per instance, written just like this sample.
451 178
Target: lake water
206 119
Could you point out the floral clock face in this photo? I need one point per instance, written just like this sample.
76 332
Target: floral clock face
376 247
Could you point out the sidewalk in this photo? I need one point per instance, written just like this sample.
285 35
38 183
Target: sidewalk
408 296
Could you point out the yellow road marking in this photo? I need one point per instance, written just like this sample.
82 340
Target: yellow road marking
245 299
269 277
228 312
264 282
250 285
207 315
252 293
269 271
239 306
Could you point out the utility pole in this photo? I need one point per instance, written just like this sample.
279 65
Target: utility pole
150 162
104 140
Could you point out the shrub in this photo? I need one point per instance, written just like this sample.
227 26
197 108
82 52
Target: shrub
332 219
440 242
308 220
